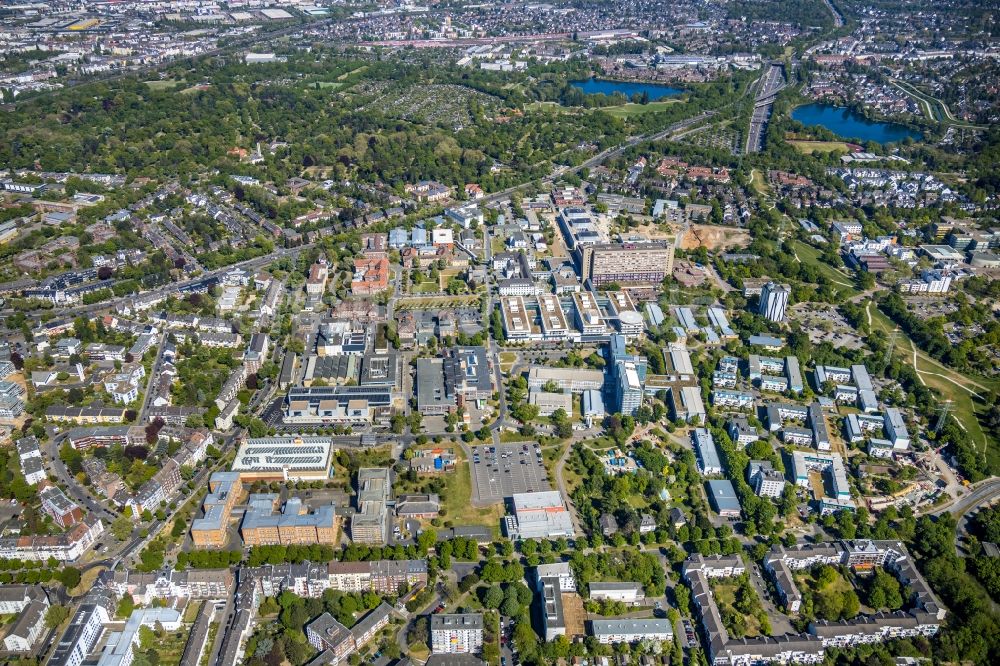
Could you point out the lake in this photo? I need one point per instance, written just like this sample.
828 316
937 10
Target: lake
850 124
627 88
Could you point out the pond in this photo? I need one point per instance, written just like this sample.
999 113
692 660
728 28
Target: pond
628 88
850 124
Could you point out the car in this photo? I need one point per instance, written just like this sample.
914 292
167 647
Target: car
503 661
657 605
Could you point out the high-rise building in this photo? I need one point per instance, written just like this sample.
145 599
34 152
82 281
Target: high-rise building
774 301
628 388
606 263
457 634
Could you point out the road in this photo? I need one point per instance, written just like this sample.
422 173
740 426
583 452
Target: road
984 493
770 85
77 492
838 18
152 379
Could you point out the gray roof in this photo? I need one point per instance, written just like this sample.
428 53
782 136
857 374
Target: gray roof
723 495
469 621
628 626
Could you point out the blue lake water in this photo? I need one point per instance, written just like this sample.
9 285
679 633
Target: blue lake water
627 88
849 124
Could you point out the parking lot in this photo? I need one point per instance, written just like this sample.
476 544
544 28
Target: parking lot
499 472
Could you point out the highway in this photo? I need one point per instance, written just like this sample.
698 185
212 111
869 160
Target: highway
838 18
770 85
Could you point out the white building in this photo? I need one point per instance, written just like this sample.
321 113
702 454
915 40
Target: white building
457 634
629 593
774 301
539 515
631 631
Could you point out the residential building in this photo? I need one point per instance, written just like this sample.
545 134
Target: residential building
456 633
774 301
631 631
764 479
85 628
64 511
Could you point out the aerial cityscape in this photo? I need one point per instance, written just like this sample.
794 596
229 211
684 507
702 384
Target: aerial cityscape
468 333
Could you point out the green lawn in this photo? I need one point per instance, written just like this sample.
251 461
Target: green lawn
626 110
425 288
457 496
935 375
724 592
330 85
758 183
807 254
163 84
810 147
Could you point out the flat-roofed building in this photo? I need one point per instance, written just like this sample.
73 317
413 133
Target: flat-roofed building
548 403
708 456
628 593
560 570
723 498
553 617
338 405
552 317
895 429
539 515
370 523
224 490
460 633
647 262
284 458
686 403
574 380
610 632
516 319
587 314
292 525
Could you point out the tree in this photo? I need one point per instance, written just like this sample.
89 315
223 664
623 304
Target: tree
56 615
493 597
121 527
70 577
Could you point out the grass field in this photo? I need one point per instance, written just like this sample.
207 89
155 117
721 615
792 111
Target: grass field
87 580
966 393
425 288
810 147
758 183
456 500
436 302
507 360
725 597
330 85
621 111
807 254
163 84
171 646
626 110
